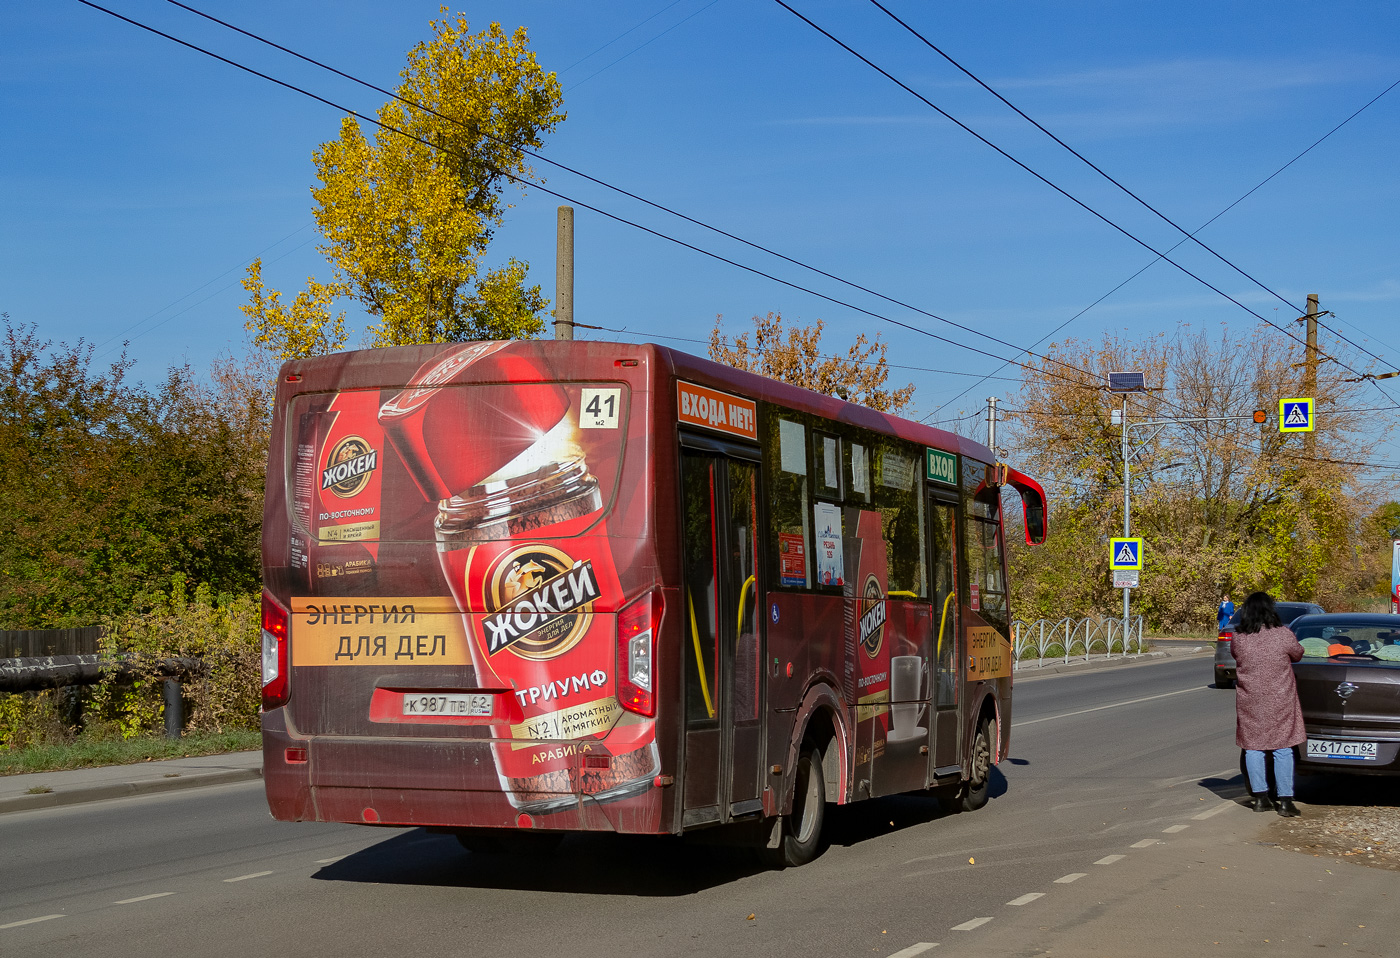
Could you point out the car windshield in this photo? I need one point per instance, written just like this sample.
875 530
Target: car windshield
1324 639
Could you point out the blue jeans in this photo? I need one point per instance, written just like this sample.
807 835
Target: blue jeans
1283 771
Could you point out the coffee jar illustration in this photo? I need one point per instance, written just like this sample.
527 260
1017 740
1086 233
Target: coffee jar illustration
522 542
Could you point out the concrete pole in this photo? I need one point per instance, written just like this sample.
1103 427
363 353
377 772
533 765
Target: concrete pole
992 424
564 275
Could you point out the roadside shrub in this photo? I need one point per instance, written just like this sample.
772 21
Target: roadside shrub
32 719
224 632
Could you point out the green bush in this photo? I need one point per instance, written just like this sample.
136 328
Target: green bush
224 632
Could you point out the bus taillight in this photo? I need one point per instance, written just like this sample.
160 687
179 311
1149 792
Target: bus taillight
274 654
636 666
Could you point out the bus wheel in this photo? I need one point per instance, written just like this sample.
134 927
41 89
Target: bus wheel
978 787
802 830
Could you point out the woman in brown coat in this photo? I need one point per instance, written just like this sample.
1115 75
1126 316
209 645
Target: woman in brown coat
1267 714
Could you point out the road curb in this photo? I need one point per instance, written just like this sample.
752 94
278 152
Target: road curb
79 794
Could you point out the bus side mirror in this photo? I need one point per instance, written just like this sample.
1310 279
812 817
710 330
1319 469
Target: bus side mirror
1035 522
1033 501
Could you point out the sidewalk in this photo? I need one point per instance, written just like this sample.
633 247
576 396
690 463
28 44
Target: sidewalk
1220 887
73 786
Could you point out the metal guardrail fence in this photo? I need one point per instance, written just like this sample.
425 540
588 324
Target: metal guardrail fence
1069 638
66 672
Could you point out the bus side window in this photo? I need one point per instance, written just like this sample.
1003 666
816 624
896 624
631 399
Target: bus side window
701 590
984 545
789 504
945 611
898 496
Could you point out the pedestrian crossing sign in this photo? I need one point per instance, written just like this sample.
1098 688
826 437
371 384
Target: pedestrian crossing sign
1124 554
1295 415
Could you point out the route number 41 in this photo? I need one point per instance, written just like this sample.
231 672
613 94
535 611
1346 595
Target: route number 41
600 408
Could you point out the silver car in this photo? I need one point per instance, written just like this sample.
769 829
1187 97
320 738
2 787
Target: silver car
1225 659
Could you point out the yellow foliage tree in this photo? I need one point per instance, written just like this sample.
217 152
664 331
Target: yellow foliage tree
408 216
794 355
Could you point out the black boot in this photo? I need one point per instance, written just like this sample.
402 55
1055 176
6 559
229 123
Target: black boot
1286 808
1262 803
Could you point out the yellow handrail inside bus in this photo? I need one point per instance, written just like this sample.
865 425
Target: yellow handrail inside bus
942 622
743 594
699 657
902 594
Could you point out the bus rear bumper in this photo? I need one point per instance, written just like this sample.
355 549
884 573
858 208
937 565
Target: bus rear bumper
445 783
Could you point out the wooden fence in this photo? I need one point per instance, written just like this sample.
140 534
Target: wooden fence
31 643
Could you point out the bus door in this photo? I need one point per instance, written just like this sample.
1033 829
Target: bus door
947 655
723 639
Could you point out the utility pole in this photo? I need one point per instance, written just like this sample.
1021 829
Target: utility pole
1126 524
564 275
1310 368
992 424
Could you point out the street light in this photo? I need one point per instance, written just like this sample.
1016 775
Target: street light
1124 383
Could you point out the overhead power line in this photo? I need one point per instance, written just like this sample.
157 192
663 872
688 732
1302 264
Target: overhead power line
1246 195
1065 193
1189 236
601 212
582 175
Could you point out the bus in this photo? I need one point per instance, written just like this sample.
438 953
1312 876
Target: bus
519 589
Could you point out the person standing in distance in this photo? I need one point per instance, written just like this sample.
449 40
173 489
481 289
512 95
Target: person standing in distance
1268 717
1222 615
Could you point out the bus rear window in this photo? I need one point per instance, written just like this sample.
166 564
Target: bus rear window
488 460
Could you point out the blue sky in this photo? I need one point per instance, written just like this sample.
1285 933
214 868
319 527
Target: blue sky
139 178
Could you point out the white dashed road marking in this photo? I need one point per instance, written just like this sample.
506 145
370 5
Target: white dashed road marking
31 921
329 861
1110 859
1146 843
969 925
1027 898
1072 876
132 901
1174 829
246 877
1202 816
915 949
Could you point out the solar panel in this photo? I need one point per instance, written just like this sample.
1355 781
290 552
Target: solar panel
1126 382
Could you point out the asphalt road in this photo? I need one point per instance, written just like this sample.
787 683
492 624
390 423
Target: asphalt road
1113 772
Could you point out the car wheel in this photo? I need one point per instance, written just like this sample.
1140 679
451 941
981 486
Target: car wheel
802 829
1221 681
979 784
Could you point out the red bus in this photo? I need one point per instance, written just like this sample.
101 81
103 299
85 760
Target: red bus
588 586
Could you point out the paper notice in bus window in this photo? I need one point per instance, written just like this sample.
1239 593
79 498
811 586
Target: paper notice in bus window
860 470
792 447
830 562
792 558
